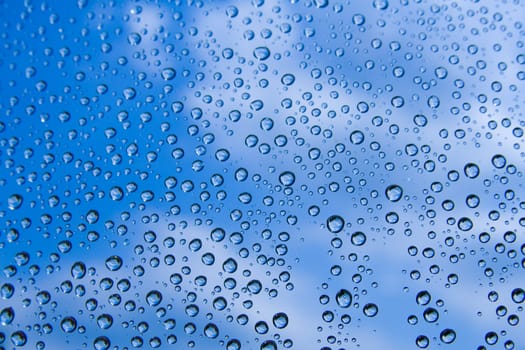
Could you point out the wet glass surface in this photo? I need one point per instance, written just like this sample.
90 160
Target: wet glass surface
307 174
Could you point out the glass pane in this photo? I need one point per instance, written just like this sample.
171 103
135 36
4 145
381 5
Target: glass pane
302 174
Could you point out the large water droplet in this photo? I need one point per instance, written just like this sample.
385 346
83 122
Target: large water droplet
154 298
261 53
280 320
68 324
343 298
7 316
335 223
394 193
370 310
14 201
287 178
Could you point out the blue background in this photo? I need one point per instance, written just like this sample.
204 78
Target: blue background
145 146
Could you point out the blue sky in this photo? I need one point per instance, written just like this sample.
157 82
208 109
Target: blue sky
90 103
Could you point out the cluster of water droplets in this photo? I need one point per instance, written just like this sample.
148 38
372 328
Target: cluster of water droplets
255 175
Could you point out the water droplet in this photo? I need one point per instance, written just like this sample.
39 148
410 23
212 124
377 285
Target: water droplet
394 193
154 298
134 38
499 161
116 193
358 238
14 201
321 3
518 295
335 223
78 270
7 316
287 79
358 19
380 4
423 297
168 74
422 341
114 263
261 53
465 224
222 155
232 11
101 343
68 324
177 106
18 338
447 336
431 315
357 137
233 344
420 120
370 310
491 338
343 298
268 345
92 216
433 102
261 327
287 178
211 331
280 320
471 170
229 265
